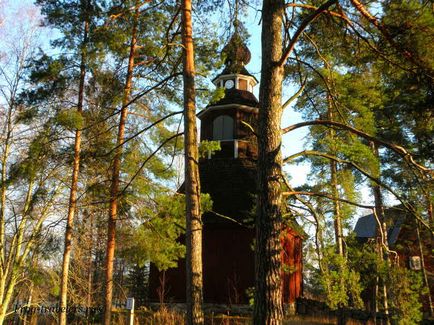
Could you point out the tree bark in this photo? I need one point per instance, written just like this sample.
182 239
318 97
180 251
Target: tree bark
381 233
29 302
192 181
407 156
268 287
424 272
334 184
114 190
74 184
337 210
90 267
6 149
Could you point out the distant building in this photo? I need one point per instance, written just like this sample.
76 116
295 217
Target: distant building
402 238
229 176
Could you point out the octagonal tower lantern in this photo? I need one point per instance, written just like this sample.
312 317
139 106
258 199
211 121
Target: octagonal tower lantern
231 119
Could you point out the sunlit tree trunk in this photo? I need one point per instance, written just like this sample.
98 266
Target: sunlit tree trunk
381 233
74 184
114 190
334 184
192 182
4 161
268 287
90 265
29 302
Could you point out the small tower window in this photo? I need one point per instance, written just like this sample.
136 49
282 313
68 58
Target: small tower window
415 263
242 84
223 128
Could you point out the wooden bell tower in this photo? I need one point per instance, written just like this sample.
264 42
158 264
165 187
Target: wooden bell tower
230 177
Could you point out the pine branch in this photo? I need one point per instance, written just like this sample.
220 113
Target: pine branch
296 95
385 32
310 7
327 196
316 216
143 130
396 148
407 205
287 51
147 159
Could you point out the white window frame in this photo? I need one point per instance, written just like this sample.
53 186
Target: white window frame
221 128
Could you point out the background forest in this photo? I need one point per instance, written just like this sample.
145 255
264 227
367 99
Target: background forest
92 98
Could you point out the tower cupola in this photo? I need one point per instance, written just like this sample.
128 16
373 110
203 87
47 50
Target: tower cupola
236 54
235 76
226 119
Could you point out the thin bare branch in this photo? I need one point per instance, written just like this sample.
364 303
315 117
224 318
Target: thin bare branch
330 197
143 130
288 50
396 148
407 205
295 96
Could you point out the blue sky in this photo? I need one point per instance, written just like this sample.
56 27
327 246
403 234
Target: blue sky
292 142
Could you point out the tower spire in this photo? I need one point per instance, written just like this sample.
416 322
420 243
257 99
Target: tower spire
236 21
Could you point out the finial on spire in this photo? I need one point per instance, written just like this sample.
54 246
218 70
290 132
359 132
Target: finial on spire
236 52
236 22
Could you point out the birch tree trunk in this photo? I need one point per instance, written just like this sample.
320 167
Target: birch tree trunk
114 190
192 181
268 287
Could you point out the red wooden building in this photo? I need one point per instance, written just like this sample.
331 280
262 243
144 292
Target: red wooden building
414 251
229 176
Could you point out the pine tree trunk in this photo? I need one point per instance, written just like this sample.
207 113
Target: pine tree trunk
424 272
334 182
6 149
268 287
114 190
74 183
192 181
5 156
90 267
336 204
337 210
381 233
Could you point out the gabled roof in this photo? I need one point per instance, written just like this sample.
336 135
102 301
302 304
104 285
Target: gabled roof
366 226
296 228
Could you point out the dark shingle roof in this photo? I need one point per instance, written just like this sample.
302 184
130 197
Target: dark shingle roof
235 70
237 96
236 51
366 226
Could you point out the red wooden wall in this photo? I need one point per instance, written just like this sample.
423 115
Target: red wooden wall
228 267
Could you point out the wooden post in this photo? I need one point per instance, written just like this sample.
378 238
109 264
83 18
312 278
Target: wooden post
130 306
